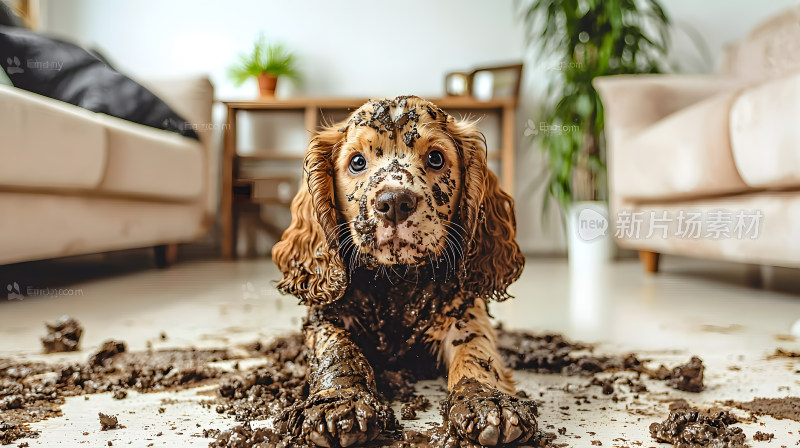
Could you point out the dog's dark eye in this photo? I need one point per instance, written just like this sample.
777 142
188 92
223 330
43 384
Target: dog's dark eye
358 163
436 160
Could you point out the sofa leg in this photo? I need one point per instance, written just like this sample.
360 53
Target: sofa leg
166 255
649 260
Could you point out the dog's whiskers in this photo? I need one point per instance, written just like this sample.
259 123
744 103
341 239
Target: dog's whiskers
443 251
458 227
452 240
337 231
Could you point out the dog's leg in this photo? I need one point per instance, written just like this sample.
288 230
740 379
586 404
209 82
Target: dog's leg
480 406
343 407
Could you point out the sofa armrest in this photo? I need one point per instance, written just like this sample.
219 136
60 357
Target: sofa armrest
193 98
633 102
48 143
764 133
658 126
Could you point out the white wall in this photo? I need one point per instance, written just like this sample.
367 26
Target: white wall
365 49
345 47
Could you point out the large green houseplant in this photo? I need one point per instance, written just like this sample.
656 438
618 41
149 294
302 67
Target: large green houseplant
584 39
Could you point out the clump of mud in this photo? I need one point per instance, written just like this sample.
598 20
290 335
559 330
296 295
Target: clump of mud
763 436
688 427
109 350
108 421
687 377
63 335
243 436
409 409
10 433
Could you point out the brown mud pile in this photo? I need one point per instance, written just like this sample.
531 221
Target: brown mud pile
108 421
9 433
689 427
763 436
63 335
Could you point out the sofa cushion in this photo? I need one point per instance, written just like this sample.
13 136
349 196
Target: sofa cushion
759 228
151 163
48 144
769 51
66 72
765 134
56 225
684 155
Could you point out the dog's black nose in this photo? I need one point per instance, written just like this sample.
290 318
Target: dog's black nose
395 205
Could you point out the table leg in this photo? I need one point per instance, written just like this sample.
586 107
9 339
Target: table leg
507 151
226 203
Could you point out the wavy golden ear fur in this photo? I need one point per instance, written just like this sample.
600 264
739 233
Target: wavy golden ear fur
307 254
493 259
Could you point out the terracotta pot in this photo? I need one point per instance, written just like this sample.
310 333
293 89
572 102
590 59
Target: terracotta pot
266 85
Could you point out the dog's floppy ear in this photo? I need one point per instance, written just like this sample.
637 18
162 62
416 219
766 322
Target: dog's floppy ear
308 255
492 257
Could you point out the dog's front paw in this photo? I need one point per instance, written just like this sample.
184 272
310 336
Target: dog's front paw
337 418
482 414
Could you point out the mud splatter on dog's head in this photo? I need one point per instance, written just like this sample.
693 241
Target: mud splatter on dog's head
401 182
397 180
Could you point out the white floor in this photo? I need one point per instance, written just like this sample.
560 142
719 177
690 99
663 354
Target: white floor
713 310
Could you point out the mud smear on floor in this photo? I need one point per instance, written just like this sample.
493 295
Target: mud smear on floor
553 354
779 408
33 391
262 393
781 353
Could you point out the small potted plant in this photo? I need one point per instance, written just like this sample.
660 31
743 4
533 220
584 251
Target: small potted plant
266 62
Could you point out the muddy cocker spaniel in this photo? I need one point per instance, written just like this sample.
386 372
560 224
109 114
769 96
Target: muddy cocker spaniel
400 237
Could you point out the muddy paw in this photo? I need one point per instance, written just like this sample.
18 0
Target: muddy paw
341 418
485 415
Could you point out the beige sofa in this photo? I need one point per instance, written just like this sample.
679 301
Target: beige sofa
76 182
723 150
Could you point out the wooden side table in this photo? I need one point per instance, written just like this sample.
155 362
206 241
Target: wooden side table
254 190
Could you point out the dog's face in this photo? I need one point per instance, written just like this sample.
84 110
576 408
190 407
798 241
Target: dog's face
401 182
397 179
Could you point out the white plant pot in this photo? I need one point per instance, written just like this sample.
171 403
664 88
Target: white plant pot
589 237
590 250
